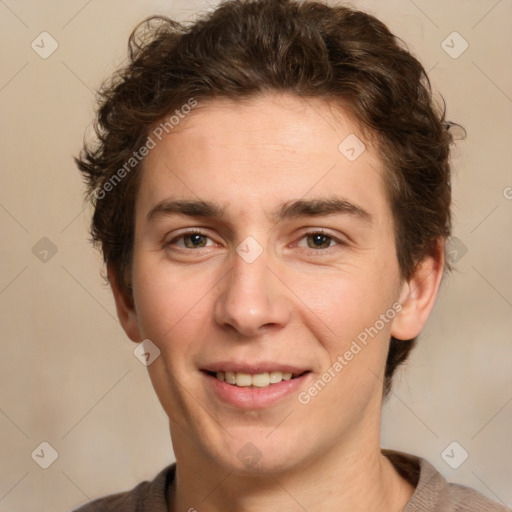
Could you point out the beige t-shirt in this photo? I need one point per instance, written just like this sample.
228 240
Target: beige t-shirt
432 492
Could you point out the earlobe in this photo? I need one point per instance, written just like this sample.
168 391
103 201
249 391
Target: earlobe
125 308
418 295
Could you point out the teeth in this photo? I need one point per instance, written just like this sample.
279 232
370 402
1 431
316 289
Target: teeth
230 377
259 380
243 379
275 377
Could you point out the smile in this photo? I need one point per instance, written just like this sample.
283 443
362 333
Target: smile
257 380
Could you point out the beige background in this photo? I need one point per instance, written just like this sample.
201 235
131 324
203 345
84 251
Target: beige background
69 376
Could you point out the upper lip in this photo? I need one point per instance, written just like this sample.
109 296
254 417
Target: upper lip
253 368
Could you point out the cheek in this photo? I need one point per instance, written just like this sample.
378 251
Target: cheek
350 309
171 313
355 340
171 304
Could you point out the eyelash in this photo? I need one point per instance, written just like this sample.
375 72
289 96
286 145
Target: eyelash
304 235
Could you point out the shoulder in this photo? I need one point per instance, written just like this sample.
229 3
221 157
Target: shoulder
463 499
147 496
432 491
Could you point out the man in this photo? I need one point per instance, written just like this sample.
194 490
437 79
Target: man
272 198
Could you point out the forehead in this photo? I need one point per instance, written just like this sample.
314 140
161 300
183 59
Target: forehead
259 152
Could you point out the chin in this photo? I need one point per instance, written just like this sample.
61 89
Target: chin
257 453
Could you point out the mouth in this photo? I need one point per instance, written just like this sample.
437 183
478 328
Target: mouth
254 380
254 386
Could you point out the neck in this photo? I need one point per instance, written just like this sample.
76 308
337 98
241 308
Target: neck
349 479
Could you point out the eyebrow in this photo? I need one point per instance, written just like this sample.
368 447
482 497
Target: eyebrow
288 210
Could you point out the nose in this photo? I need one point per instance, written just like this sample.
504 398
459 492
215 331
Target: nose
252 298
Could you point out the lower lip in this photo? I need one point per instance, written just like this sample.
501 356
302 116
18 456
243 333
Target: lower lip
255 398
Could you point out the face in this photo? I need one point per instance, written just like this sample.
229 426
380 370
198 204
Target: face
262 250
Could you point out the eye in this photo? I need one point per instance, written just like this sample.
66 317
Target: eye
319 240
197 239
191 240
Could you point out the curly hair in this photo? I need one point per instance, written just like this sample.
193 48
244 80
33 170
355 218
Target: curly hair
246 48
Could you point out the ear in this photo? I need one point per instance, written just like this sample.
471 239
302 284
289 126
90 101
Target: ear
125 308
418 295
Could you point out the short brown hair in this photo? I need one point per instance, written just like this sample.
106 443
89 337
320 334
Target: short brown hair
246 48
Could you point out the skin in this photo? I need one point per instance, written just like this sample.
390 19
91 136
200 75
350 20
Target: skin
296 304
